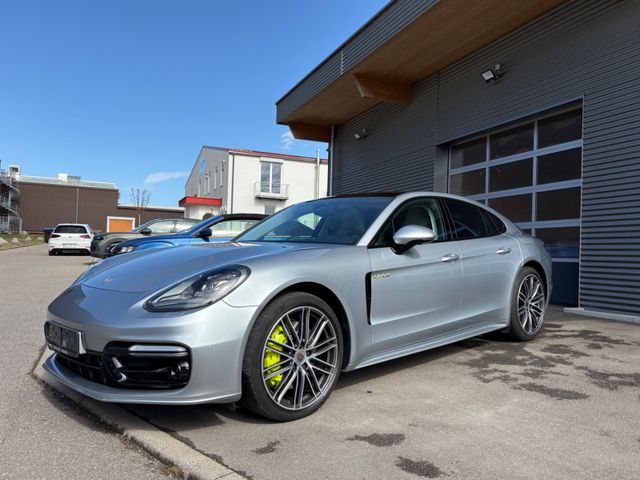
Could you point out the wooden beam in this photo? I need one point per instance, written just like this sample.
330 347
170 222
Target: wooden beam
305 131
381 88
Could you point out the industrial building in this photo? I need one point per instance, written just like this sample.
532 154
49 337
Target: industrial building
531 107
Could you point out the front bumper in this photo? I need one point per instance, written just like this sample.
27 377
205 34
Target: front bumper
215 337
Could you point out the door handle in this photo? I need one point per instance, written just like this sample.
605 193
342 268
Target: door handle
503 251
449 257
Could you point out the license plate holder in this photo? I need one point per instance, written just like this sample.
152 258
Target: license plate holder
63 339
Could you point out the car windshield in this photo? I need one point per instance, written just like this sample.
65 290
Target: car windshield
341 221
70 229
199 226
144 225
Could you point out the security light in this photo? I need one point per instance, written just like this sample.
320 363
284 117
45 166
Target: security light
492 74
359 135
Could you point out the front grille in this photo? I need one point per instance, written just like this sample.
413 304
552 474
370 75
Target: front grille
94 246
89 366
118 367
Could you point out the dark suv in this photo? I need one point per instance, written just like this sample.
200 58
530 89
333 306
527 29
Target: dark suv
103 242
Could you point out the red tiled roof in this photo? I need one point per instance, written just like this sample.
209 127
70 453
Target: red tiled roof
200 201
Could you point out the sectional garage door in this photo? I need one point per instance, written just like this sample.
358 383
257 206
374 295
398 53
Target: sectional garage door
532 173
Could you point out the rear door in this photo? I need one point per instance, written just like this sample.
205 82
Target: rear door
415 295
489 262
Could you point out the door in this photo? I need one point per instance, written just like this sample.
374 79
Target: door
120 224
489 262
415 295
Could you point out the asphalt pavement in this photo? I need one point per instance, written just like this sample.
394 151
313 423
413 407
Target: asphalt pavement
42 435
564 406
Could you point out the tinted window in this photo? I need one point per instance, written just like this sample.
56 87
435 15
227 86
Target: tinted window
494 224
516 208
70 229
558 204
510 142
424 212
468 183
340 220
560 129
556 167
468 153
468 220
511 175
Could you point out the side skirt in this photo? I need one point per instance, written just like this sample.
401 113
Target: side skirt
426 345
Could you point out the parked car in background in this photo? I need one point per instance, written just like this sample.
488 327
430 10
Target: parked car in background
220 228
272 318
103 242
70 237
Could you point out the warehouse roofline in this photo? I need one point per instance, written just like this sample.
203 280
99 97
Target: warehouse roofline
405 42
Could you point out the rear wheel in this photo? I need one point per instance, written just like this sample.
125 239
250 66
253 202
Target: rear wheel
528 303
52 252
293 358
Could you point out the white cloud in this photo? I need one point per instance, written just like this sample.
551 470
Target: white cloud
158 177
287 140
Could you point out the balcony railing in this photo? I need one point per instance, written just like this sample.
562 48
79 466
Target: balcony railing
274 192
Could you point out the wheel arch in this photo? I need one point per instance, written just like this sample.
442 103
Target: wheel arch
537 266
325 293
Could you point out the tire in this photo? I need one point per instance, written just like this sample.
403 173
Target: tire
52 253
316 368
528 303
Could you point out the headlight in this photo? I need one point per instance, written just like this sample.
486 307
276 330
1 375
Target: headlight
125 249
199 291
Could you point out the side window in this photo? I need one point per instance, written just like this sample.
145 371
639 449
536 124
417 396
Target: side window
165 226
424 212
182 225
469 220
494 224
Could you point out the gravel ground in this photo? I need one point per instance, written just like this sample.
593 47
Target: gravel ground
43 436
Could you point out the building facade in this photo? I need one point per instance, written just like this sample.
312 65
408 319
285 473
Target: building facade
530 107
46 202
246 181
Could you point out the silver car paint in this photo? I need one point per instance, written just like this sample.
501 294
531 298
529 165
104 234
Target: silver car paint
432 310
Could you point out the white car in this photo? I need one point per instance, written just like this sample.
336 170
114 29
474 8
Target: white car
71 237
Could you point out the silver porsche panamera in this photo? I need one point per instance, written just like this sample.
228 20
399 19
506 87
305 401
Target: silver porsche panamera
272 318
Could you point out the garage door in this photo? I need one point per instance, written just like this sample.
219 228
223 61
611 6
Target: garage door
120 224
532 173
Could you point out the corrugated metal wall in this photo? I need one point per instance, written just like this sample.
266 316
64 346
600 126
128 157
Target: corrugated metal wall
585 49
398 154
381 28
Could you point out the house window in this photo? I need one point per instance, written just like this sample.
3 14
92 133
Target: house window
207 183
270 177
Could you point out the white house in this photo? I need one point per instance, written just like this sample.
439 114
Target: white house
245 181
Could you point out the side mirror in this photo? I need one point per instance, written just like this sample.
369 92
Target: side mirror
145 231
205 233
410 236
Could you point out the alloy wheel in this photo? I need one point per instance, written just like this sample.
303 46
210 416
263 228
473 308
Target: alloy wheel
531 304
300 357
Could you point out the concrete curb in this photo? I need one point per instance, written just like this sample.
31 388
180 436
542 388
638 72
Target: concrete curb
168 449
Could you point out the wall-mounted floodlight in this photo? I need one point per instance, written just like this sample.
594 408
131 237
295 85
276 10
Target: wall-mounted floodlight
361 134
492 74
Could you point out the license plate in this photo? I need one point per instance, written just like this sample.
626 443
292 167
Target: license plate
69 245
62 339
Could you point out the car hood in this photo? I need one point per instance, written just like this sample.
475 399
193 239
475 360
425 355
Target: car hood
100 236
154 270
155 238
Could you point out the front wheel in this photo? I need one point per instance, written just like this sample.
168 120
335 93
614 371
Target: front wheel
528 303
293 358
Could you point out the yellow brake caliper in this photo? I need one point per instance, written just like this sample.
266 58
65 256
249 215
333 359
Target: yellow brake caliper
272 358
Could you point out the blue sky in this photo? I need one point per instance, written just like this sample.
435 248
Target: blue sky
127 91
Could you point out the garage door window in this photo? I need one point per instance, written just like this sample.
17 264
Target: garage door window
530 172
